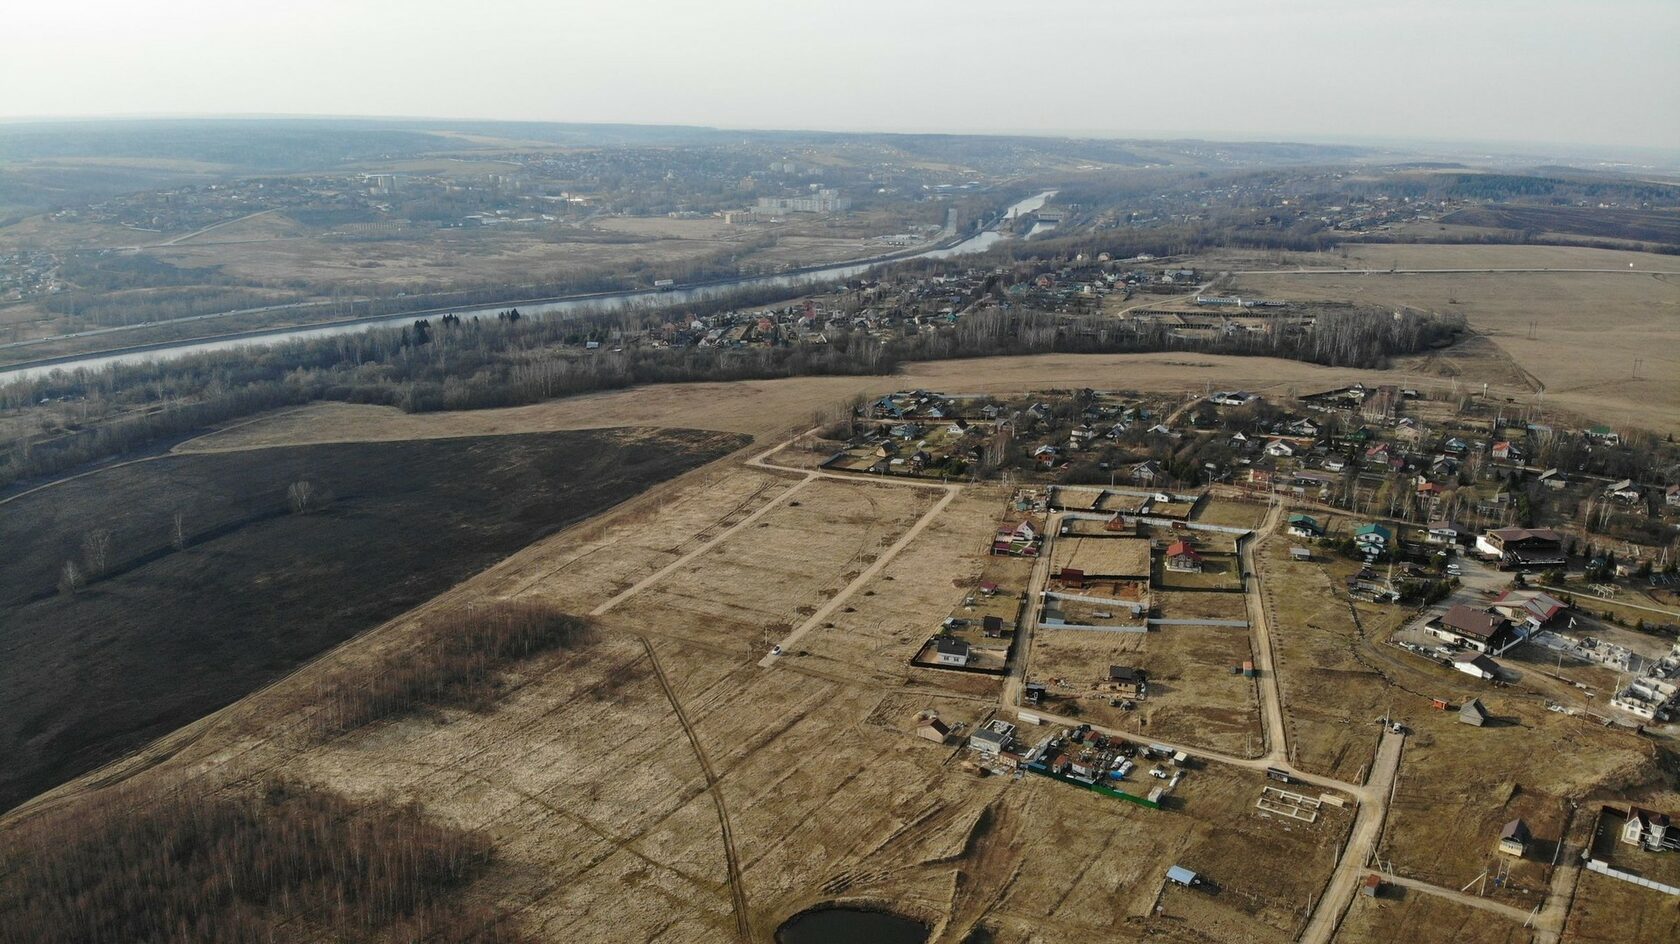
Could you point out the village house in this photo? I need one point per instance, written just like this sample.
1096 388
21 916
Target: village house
1181 557
1649 830
1532 610
1522 547
1625 492
992 739
1372 538
1023 540
1475 629
929 727
1305 526
951 651
1476 665
1127 680
1442 531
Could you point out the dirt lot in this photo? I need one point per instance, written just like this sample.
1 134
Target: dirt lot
166 635
1194 697
1231 514
1332 696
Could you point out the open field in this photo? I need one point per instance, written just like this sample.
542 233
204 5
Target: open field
757 585
161 635
1588 327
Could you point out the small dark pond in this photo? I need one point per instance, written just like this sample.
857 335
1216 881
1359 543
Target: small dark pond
838 925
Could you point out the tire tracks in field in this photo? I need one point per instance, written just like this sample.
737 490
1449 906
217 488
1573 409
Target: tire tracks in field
737 893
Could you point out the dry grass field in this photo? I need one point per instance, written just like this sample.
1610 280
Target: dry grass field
1332 696
1404 916
1588 328
1608 911
1194 697
1529 764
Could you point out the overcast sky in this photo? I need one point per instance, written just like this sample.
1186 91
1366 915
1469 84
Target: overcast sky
1582 73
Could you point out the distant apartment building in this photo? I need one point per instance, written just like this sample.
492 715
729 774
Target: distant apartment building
821 201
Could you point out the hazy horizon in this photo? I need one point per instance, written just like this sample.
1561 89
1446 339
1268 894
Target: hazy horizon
1600 79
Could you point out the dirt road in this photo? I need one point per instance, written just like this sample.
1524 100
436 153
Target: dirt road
1271 696
1362 842
1472 901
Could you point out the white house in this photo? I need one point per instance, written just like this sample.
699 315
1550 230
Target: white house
1280 448
1650 830
951 651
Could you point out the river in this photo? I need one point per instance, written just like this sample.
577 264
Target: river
169 350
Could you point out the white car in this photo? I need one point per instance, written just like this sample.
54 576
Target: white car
775 650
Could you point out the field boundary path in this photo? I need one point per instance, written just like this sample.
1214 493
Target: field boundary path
737 893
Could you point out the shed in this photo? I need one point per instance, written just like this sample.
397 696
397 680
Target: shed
1373 885
1514 838
931 728
1472 712
1300 554
1179 875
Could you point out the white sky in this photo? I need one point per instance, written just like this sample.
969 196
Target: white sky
1581 73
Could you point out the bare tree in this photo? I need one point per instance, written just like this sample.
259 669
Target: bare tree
301 494
70 578
96 551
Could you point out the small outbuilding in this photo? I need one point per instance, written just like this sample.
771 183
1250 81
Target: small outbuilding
1514 838
1472 712
1476 664
1179 875
929 727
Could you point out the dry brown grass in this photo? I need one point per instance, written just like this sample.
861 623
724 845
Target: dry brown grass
1404 916
1194 697
1589 327
1460 784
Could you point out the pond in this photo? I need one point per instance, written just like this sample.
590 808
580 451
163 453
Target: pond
842 925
